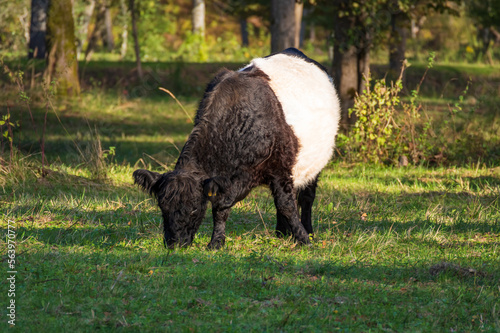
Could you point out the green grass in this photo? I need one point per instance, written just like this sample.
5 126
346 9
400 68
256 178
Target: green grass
400 250
90 256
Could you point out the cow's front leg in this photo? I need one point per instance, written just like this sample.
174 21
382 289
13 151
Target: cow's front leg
219 234
282 227
284 200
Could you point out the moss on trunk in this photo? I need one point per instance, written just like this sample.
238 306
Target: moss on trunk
62 64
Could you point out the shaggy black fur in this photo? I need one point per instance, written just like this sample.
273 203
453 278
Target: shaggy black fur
306 198
240 140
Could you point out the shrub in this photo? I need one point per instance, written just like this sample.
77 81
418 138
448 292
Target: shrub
389 130
393 129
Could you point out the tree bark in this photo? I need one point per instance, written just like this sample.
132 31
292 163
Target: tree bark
61 61
485 37
38 29
312 33
299 8
24 20
84 28
363 68
282 25
397 42
244 32
108 23
345 67
124 18
97 32
136 39
103 31
198 17
496 35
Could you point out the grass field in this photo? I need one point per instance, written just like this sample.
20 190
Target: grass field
395 249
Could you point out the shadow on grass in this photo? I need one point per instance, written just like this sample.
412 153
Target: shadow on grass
126 151
161 133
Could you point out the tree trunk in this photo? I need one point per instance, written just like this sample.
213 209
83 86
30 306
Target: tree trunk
108 23
345 68
84 28
312 33
363 68
397 42
124 18
25 24
38 29
496 36
282 25
303 26
198 17
136 40
61 62
97 33
485 37
244 32
299 7
103 31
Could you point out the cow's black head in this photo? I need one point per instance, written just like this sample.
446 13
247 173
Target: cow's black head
181 200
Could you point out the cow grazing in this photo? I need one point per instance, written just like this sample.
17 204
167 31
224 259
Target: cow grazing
271 123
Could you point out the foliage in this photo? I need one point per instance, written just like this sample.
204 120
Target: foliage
95 157
5 121
14 27
390 128
379 135
373 18
375 133
484 12
247 8
486 15
163 28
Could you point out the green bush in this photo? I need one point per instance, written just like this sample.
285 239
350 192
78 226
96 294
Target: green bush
392 128
387 130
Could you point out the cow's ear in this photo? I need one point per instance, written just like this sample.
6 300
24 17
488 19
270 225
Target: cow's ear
146 179
214 187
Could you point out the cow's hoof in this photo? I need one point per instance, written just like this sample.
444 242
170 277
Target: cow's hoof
216 245
281 234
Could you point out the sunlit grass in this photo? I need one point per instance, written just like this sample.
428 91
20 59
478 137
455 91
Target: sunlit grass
91 255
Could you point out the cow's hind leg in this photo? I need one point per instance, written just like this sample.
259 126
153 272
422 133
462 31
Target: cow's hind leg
286 207
306 200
